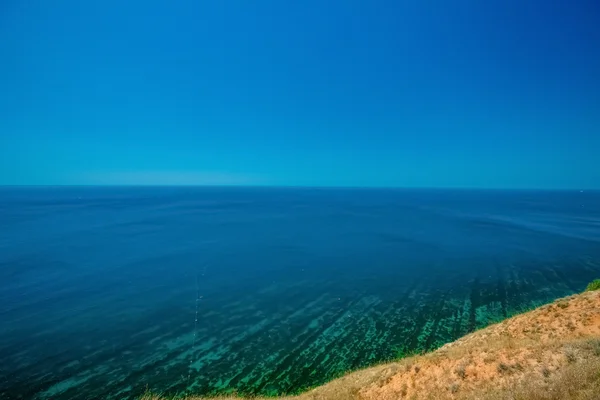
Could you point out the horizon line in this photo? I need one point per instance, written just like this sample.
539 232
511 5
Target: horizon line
582 189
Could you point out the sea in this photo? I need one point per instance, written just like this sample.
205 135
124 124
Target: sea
108 292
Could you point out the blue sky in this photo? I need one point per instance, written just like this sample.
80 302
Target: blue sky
465 93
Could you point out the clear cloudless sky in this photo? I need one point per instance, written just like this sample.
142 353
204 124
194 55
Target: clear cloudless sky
412 93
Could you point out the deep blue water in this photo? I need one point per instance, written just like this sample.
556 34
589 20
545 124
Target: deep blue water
107 291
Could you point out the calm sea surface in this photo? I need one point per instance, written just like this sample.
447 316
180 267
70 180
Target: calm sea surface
107 291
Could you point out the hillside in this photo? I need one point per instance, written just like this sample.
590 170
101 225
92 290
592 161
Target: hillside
550 353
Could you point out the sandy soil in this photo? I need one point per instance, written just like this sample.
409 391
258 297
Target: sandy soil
534 345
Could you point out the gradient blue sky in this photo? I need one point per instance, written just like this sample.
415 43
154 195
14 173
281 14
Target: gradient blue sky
438 93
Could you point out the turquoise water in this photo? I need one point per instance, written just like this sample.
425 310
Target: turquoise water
107 291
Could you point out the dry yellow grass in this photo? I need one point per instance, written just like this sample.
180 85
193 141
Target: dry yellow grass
551 353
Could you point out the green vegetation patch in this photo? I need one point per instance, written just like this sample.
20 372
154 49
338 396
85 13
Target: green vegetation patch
594 285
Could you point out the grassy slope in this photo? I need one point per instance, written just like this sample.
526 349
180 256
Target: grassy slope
550 353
